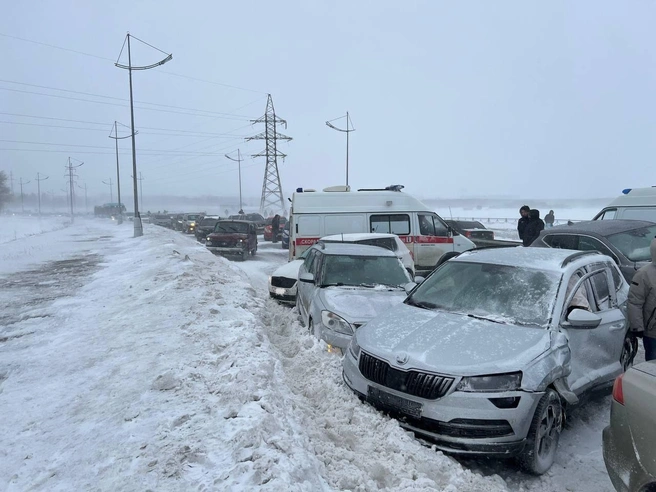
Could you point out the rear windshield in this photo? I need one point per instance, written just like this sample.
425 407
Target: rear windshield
634 244
470 224
192 217
231 228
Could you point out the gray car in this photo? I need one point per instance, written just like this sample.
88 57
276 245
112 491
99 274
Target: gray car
626 241
630 439
341 286
484 356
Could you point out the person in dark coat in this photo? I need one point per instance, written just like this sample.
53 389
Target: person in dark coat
549 219
523 220
275 227
533 228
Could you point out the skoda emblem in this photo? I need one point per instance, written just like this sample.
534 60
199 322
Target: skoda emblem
402 358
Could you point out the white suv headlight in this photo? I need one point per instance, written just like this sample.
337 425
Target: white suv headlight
492 383
336 323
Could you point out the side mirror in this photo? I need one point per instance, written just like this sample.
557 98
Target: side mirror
409 286
419 280
306 277
580 318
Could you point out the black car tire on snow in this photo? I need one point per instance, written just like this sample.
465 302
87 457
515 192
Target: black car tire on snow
543 435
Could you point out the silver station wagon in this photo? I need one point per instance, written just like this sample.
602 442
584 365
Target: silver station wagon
486 354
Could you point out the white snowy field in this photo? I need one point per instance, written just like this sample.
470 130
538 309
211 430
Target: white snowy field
150 364
13 227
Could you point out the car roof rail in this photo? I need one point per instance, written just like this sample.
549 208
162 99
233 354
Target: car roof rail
577 255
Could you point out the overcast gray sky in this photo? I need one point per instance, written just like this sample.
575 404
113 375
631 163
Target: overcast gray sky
520 99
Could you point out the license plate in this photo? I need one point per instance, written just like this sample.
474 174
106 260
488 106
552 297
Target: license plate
280 292
393 402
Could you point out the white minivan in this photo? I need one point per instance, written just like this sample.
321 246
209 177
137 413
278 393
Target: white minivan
338 210
632 204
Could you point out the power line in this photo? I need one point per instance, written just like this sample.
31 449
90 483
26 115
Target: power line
212 115
54 151
112 60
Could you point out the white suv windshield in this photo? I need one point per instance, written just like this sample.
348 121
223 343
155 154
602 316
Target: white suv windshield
499 293
367 271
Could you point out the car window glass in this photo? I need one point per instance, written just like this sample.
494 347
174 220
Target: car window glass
441 228
640 213
587 243
608 214
398 224
581 299
309 260
381 242
562 241
618 279
426 225
602 293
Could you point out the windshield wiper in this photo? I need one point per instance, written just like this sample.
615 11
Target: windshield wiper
421 304
336 284
487 319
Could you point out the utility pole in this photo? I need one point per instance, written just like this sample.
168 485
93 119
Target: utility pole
271 188
238 161
20 181
86 201
111 195
71 178
38 186
349 129
141 178
138 226
118 173
11 181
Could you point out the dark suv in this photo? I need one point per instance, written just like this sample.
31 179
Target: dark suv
205 227
257 219
233 237
626 241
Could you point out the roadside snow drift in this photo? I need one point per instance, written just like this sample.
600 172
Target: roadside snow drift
153 365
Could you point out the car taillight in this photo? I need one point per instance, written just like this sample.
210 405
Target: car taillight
618 392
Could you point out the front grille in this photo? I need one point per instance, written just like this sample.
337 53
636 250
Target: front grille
283 282
421 384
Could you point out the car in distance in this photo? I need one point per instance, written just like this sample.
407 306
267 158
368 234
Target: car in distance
163 220
626 241
257 219
205 227
629 440
342 286
382 240
189 223
471 229
485 354
268 229
284 241
233 238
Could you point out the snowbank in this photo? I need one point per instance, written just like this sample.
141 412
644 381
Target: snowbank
161 368
13 227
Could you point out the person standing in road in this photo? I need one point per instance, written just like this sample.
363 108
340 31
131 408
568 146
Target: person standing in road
533 228
549 219
523 220
275 227
642 305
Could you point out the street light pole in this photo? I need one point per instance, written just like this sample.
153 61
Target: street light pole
138 226
349 129
38 186
118 172
238 161
20 181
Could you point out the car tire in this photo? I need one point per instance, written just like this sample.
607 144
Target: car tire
543 435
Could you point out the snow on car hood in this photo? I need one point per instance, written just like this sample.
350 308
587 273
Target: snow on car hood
288 270
360 304
451 343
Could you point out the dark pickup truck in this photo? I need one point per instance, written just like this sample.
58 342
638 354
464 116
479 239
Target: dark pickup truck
479 234
233 237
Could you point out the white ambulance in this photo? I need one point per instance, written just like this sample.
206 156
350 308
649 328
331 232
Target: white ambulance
338 210
632 204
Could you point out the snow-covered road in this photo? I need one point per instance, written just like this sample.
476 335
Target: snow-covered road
155 365
148 363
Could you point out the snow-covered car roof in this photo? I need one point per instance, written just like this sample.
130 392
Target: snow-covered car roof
551 259
352 249
600 227
357 236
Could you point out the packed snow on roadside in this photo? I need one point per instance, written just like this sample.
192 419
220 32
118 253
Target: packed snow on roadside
151 364
13 227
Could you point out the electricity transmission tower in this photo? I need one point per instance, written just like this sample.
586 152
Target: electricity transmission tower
70 173
38 186
138 226
21 182
271 189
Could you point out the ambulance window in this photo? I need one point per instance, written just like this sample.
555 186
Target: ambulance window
426 226
343 224
309 226
441 228
394 224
